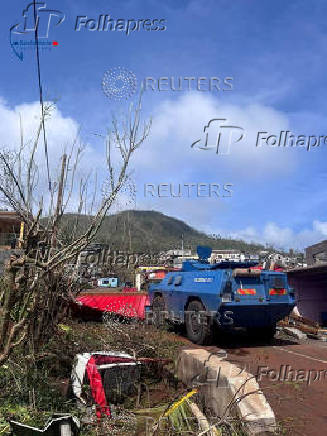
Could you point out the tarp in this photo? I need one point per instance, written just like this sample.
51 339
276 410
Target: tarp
130 306
97 388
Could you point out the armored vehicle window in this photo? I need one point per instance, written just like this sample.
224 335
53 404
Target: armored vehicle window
170 280
178 280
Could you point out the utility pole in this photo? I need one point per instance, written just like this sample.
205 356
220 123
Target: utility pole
59 200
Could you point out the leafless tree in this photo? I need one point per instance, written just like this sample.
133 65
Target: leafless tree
34 286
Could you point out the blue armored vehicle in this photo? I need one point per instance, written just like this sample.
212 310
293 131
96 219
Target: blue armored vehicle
208 296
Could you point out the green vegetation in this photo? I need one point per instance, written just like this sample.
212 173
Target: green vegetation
138 230
33 387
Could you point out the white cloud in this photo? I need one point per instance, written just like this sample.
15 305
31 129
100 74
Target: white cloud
321 227
284 237
178 123
61 133
167 155
60 130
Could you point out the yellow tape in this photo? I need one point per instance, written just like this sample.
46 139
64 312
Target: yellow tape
179 402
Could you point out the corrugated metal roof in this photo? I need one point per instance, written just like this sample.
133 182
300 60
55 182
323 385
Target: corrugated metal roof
131 306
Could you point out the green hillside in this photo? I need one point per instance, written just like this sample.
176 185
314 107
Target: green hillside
138 230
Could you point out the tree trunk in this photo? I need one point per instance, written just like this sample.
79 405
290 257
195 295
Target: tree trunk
9 301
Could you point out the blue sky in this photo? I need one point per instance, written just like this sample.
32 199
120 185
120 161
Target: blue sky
274 51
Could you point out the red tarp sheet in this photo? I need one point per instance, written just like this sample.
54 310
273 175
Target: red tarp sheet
97 388
96 385
131 306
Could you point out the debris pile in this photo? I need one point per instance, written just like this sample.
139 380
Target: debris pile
110 374
305 325
58 425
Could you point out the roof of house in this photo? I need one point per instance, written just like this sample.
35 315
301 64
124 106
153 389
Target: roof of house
6 215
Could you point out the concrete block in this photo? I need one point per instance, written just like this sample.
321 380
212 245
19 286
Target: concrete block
226 389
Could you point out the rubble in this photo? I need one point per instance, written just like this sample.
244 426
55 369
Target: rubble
295 333
305 325
100 367
320 336
58 425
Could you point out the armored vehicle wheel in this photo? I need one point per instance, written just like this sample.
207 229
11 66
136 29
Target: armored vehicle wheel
158 309
198 324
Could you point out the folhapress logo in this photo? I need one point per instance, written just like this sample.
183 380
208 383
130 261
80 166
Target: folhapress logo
219 137
105 23
42 20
